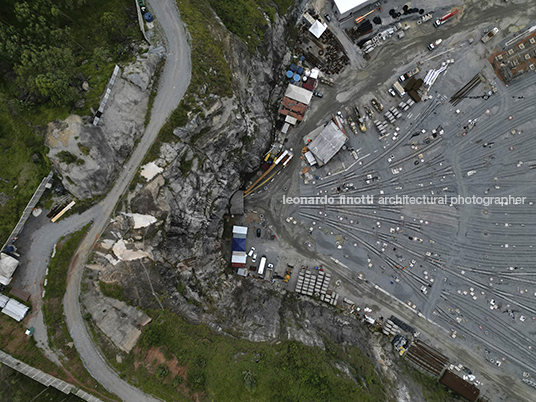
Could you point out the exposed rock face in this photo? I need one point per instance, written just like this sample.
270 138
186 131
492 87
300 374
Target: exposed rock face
215 154
100 151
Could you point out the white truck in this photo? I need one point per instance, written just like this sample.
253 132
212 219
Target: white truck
435 44
262 267
398 88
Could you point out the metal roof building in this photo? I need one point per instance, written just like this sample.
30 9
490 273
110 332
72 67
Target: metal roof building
8 265
346 7
298 94
15 310
242 272
327 143
460 386
318 29
3 301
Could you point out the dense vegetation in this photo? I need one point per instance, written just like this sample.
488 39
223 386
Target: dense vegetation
46 48
45 44
221 368
23 164
248 18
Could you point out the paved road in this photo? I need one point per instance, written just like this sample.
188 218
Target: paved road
173 84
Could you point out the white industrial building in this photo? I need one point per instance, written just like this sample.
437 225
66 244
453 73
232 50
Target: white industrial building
8 265
346 7
13 308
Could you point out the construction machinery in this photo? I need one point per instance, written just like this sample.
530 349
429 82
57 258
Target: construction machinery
287 276
377 105
360 120
369 112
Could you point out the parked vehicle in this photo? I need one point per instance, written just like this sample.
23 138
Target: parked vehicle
377 105
318 94
258 233
490 34
251 251
360 120
435 44
369 112
445 18
398 88
409 74
262 266
391 92
327 17
254 257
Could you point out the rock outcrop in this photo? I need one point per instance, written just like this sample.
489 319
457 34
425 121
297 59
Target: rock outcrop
87 158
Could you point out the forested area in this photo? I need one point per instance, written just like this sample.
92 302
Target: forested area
48 49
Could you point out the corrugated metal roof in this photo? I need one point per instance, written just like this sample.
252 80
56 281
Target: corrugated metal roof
347 5
460 386
3 300
310 158
239 244
240 229
8 265
327 143
298 94
291 120
15 310
318 28
239 258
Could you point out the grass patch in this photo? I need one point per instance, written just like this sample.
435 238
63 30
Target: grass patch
432 389
114 291
58 334
175 360
19 174
247 19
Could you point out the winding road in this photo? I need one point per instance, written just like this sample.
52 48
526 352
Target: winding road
174 81
173 84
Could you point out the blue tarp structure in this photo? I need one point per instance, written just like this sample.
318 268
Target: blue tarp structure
289 74
293 67
239 244
297 78
300 70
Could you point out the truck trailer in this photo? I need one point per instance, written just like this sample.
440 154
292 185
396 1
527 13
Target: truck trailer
262 267
445 18
398 88
490 35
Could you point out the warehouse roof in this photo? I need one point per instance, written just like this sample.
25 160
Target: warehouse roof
242 272
346 5
318 28
460 386
15 310
298 94
327 143
3 300
240 229
8 265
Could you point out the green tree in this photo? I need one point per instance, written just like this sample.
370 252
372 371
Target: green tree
47 72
